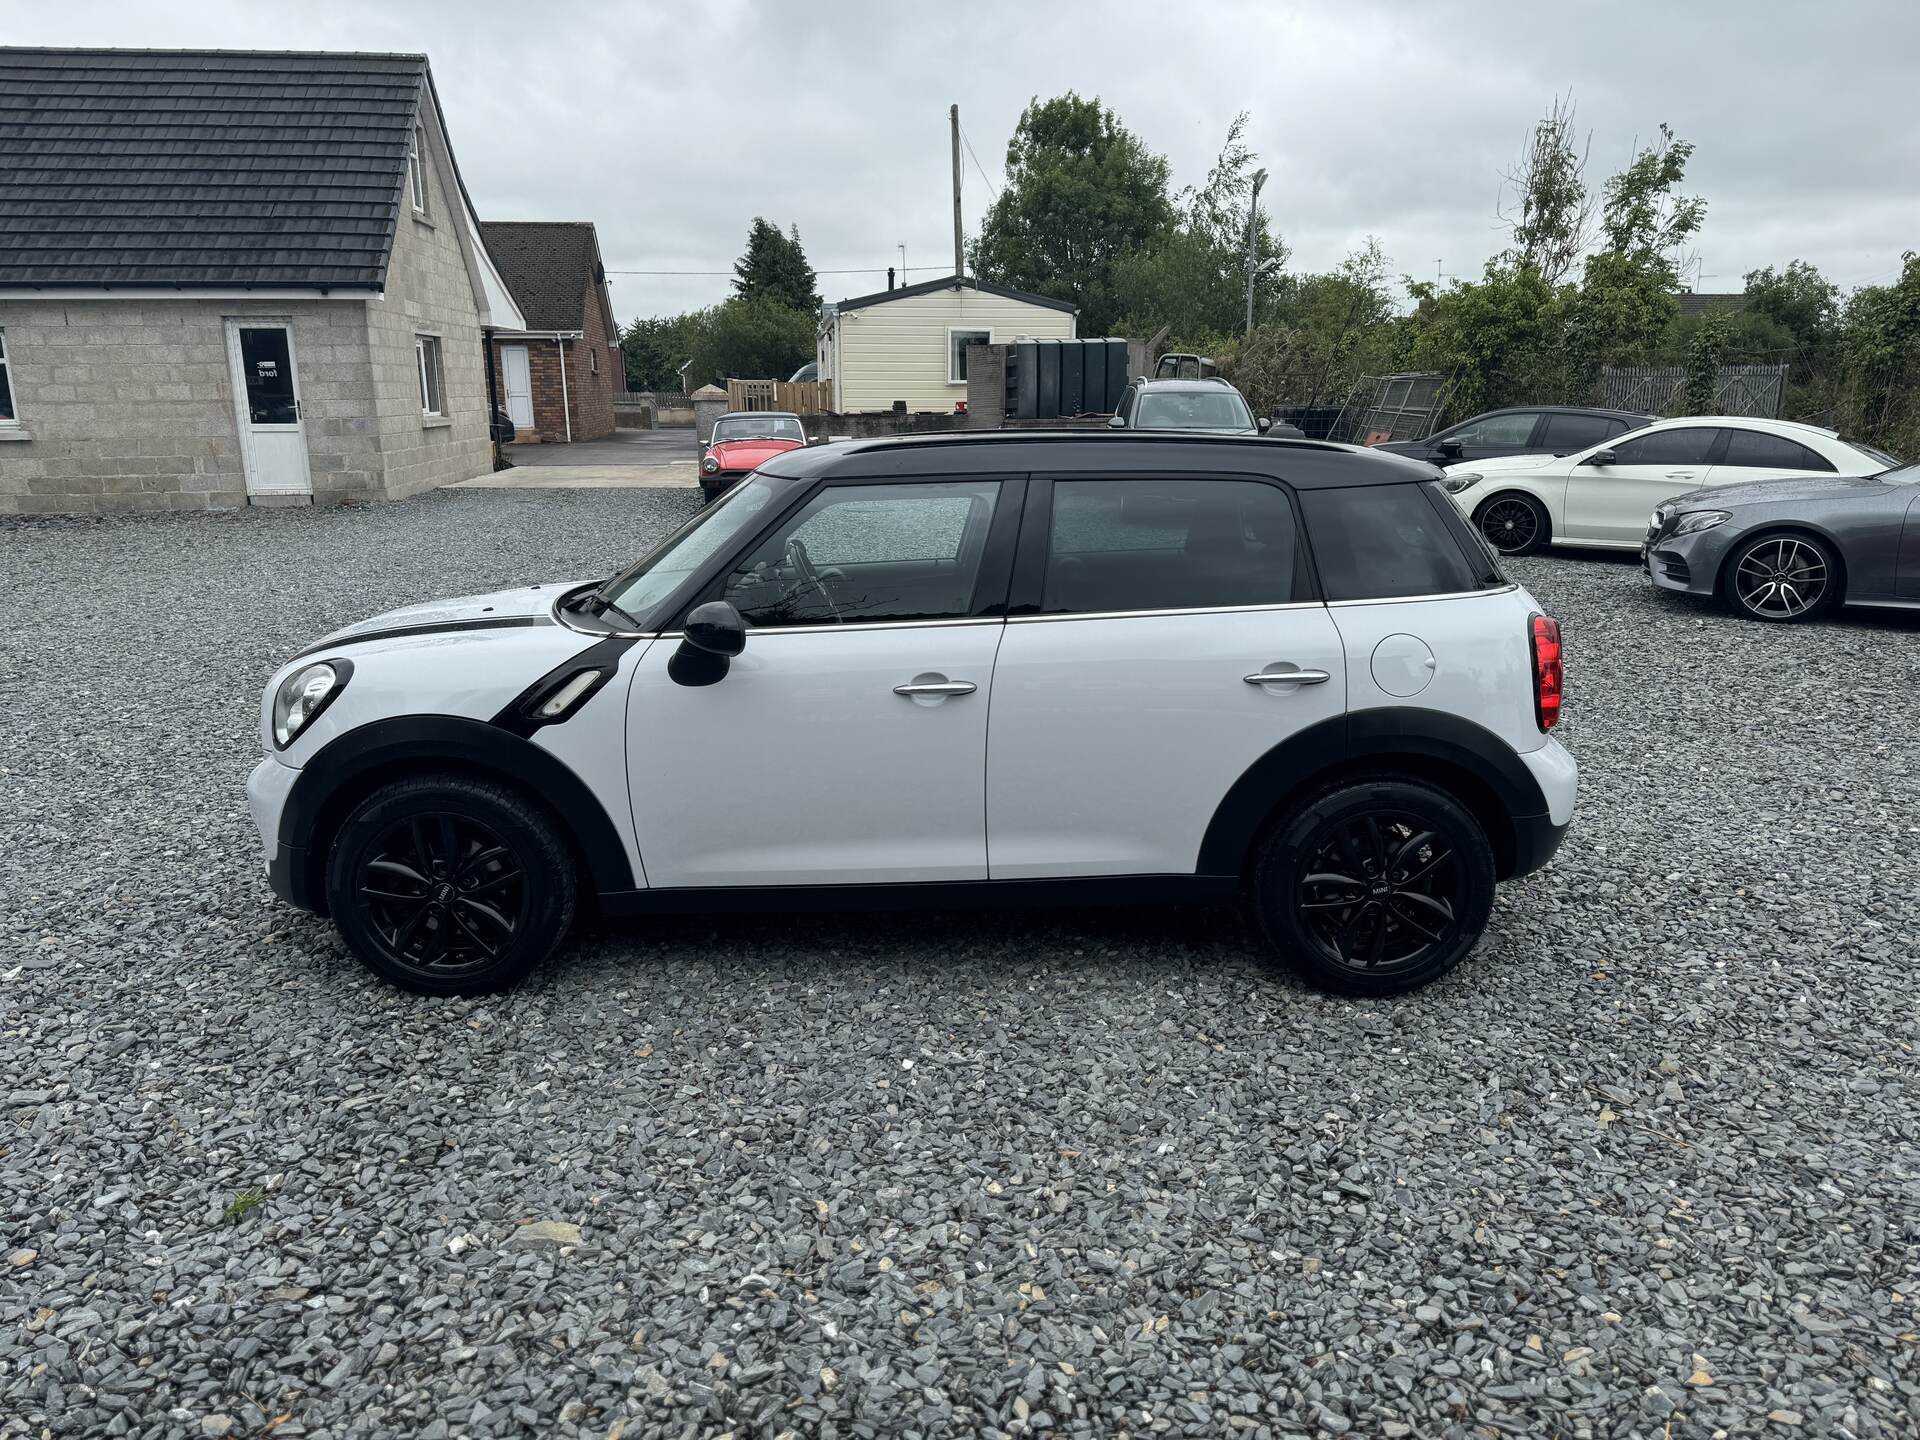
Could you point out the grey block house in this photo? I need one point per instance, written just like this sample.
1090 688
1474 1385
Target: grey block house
231 277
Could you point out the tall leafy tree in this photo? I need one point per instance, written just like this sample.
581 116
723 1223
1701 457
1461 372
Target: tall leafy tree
775 268
1552 222
1081 193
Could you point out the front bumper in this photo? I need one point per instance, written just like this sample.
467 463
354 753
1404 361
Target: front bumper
287 870
1685 564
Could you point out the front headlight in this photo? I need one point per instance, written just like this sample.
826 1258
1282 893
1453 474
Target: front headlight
1454 481
710 465
303 695
1700 520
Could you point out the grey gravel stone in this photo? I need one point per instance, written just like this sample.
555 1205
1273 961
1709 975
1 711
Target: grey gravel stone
1134 1180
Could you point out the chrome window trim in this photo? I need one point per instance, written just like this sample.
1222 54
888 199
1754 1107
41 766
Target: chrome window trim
1155 614
752 630
1506 589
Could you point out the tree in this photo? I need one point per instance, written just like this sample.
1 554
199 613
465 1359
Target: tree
1081 193
1554 223
750 338
656 348
1324 332
1193 278
1626 301
775 268
1704 357
1879 399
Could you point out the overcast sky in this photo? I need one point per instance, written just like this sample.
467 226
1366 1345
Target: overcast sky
671 126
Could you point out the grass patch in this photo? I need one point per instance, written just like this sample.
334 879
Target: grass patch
238 1207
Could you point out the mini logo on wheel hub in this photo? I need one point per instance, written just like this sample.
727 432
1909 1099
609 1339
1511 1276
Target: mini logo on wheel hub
443 894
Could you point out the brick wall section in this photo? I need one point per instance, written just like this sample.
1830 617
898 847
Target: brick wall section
589 395
130 403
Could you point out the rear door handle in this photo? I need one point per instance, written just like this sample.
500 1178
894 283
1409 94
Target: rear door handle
1287 677
942 687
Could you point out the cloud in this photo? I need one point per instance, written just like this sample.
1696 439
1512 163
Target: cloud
672 126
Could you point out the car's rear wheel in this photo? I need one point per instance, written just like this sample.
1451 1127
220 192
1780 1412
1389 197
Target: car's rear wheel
450 884
1374 886
1514 524
1781 577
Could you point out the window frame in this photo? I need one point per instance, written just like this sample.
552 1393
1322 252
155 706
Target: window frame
417 171
8 422
954 358
433 378
1028 590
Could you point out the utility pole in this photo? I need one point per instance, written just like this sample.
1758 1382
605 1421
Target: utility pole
959 255
1253 236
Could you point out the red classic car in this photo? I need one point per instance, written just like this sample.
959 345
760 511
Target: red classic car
744 441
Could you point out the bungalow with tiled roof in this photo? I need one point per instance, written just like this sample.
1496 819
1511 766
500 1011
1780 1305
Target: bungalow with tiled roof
230 277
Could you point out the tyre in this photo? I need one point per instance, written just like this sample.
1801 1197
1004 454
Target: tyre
1514 524
1374 886
450 885
1781 577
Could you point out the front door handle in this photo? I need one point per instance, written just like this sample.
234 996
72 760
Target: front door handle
1287 677
1679 474
937 687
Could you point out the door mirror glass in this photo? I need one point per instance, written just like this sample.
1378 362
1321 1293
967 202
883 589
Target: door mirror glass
1599 457
1263 424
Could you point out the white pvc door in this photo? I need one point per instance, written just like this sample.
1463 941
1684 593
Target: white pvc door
804 766
266 389
517 376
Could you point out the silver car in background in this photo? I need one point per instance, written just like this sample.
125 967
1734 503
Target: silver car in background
1789 549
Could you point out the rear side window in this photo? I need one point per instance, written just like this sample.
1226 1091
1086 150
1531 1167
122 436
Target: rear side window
1377 541
1167 545
1568 433
1512 429
1756 450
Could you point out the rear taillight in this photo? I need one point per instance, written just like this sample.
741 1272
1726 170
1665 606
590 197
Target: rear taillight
1549 676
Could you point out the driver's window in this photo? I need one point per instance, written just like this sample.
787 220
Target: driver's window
867 553
1687 445
1497 430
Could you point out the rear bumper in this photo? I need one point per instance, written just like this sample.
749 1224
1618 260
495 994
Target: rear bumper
1535 838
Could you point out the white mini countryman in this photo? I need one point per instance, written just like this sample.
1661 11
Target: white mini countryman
1061 668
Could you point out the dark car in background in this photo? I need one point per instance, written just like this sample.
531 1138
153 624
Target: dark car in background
1523 430
1788 549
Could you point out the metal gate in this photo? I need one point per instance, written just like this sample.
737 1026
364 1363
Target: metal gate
1753 390
1380 408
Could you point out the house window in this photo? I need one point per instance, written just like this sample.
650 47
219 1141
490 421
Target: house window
7 415
957 343
433 390
593 360
417 171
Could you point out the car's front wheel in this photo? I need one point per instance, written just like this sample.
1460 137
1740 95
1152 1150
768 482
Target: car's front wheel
1781 577
1514 524
450 884
1374 886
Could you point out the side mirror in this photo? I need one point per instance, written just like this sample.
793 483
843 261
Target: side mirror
1599 457
1263 424
1452 449
1116 422
713 635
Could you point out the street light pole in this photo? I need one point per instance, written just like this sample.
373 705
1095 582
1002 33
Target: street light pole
1253 233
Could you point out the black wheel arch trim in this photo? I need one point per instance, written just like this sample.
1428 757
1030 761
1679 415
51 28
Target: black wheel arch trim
328 786
1510 802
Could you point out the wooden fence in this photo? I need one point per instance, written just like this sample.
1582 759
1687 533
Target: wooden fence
802 397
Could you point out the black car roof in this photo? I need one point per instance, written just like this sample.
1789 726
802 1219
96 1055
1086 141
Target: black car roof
1305 464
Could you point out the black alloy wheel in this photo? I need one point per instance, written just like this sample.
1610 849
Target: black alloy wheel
1374 886
1381 892
443 893
1512 524
451 884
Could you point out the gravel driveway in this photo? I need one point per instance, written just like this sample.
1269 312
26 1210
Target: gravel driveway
1645 1165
